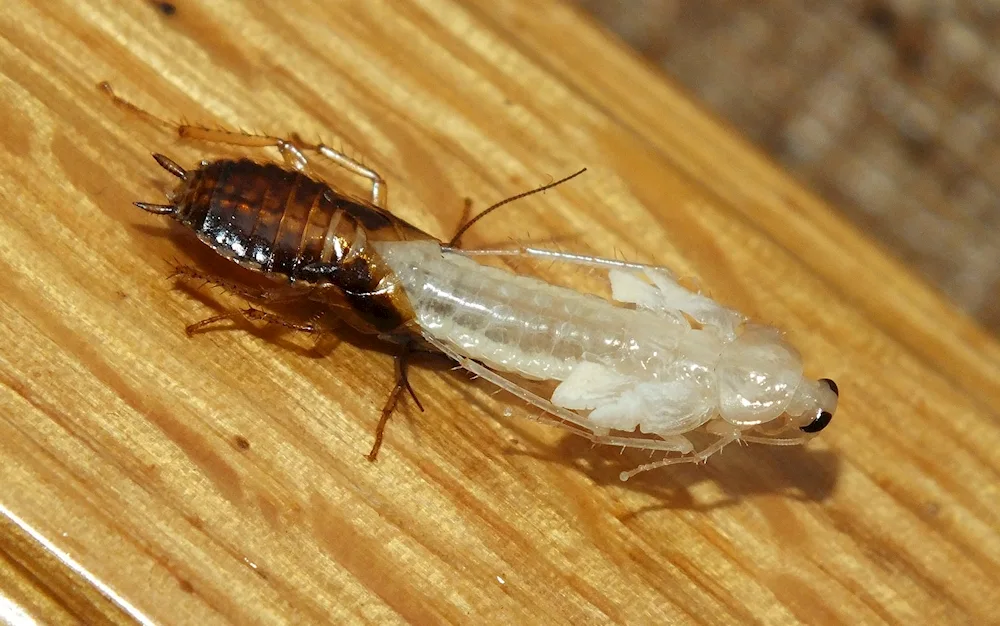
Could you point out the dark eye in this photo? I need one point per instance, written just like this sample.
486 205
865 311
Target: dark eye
819 423
832 385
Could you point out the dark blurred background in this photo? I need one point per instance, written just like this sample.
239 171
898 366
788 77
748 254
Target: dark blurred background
887 108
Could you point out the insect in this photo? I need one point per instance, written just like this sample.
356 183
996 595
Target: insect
656 366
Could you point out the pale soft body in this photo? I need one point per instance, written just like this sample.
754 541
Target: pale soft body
636 363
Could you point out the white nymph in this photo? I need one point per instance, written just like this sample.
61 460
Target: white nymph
645 369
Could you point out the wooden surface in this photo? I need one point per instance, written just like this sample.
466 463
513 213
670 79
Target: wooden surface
218 479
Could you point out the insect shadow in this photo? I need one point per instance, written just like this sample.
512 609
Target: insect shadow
794 472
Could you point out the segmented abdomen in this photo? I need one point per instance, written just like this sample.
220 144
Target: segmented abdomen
268 218
520 324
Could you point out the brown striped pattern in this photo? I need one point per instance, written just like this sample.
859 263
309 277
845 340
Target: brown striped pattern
282 223
275 220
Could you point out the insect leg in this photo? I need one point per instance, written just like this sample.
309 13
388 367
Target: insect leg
260 294
127 106
291 154
291 150
698 457
379 188
402 383
252 314
777 441
263 294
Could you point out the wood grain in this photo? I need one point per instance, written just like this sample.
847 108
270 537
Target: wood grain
221 479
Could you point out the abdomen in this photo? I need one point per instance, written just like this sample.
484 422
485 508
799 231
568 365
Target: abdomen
291 227
277 221
521 324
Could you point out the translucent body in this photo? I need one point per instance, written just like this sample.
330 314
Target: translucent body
623 367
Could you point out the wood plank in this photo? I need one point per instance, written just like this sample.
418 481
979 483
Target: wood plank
35 584
221 479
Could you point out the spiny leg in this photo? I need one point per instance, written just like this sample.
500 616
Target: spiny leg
402 383
291 150
132 109
252 314
380 190
697 457
263 294
291 154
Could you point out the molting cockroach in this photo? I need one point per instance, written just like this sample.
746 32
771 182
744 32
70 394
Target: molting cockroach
644 369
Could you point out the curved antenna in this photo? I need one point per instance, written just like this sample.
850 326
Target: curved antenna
467 225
